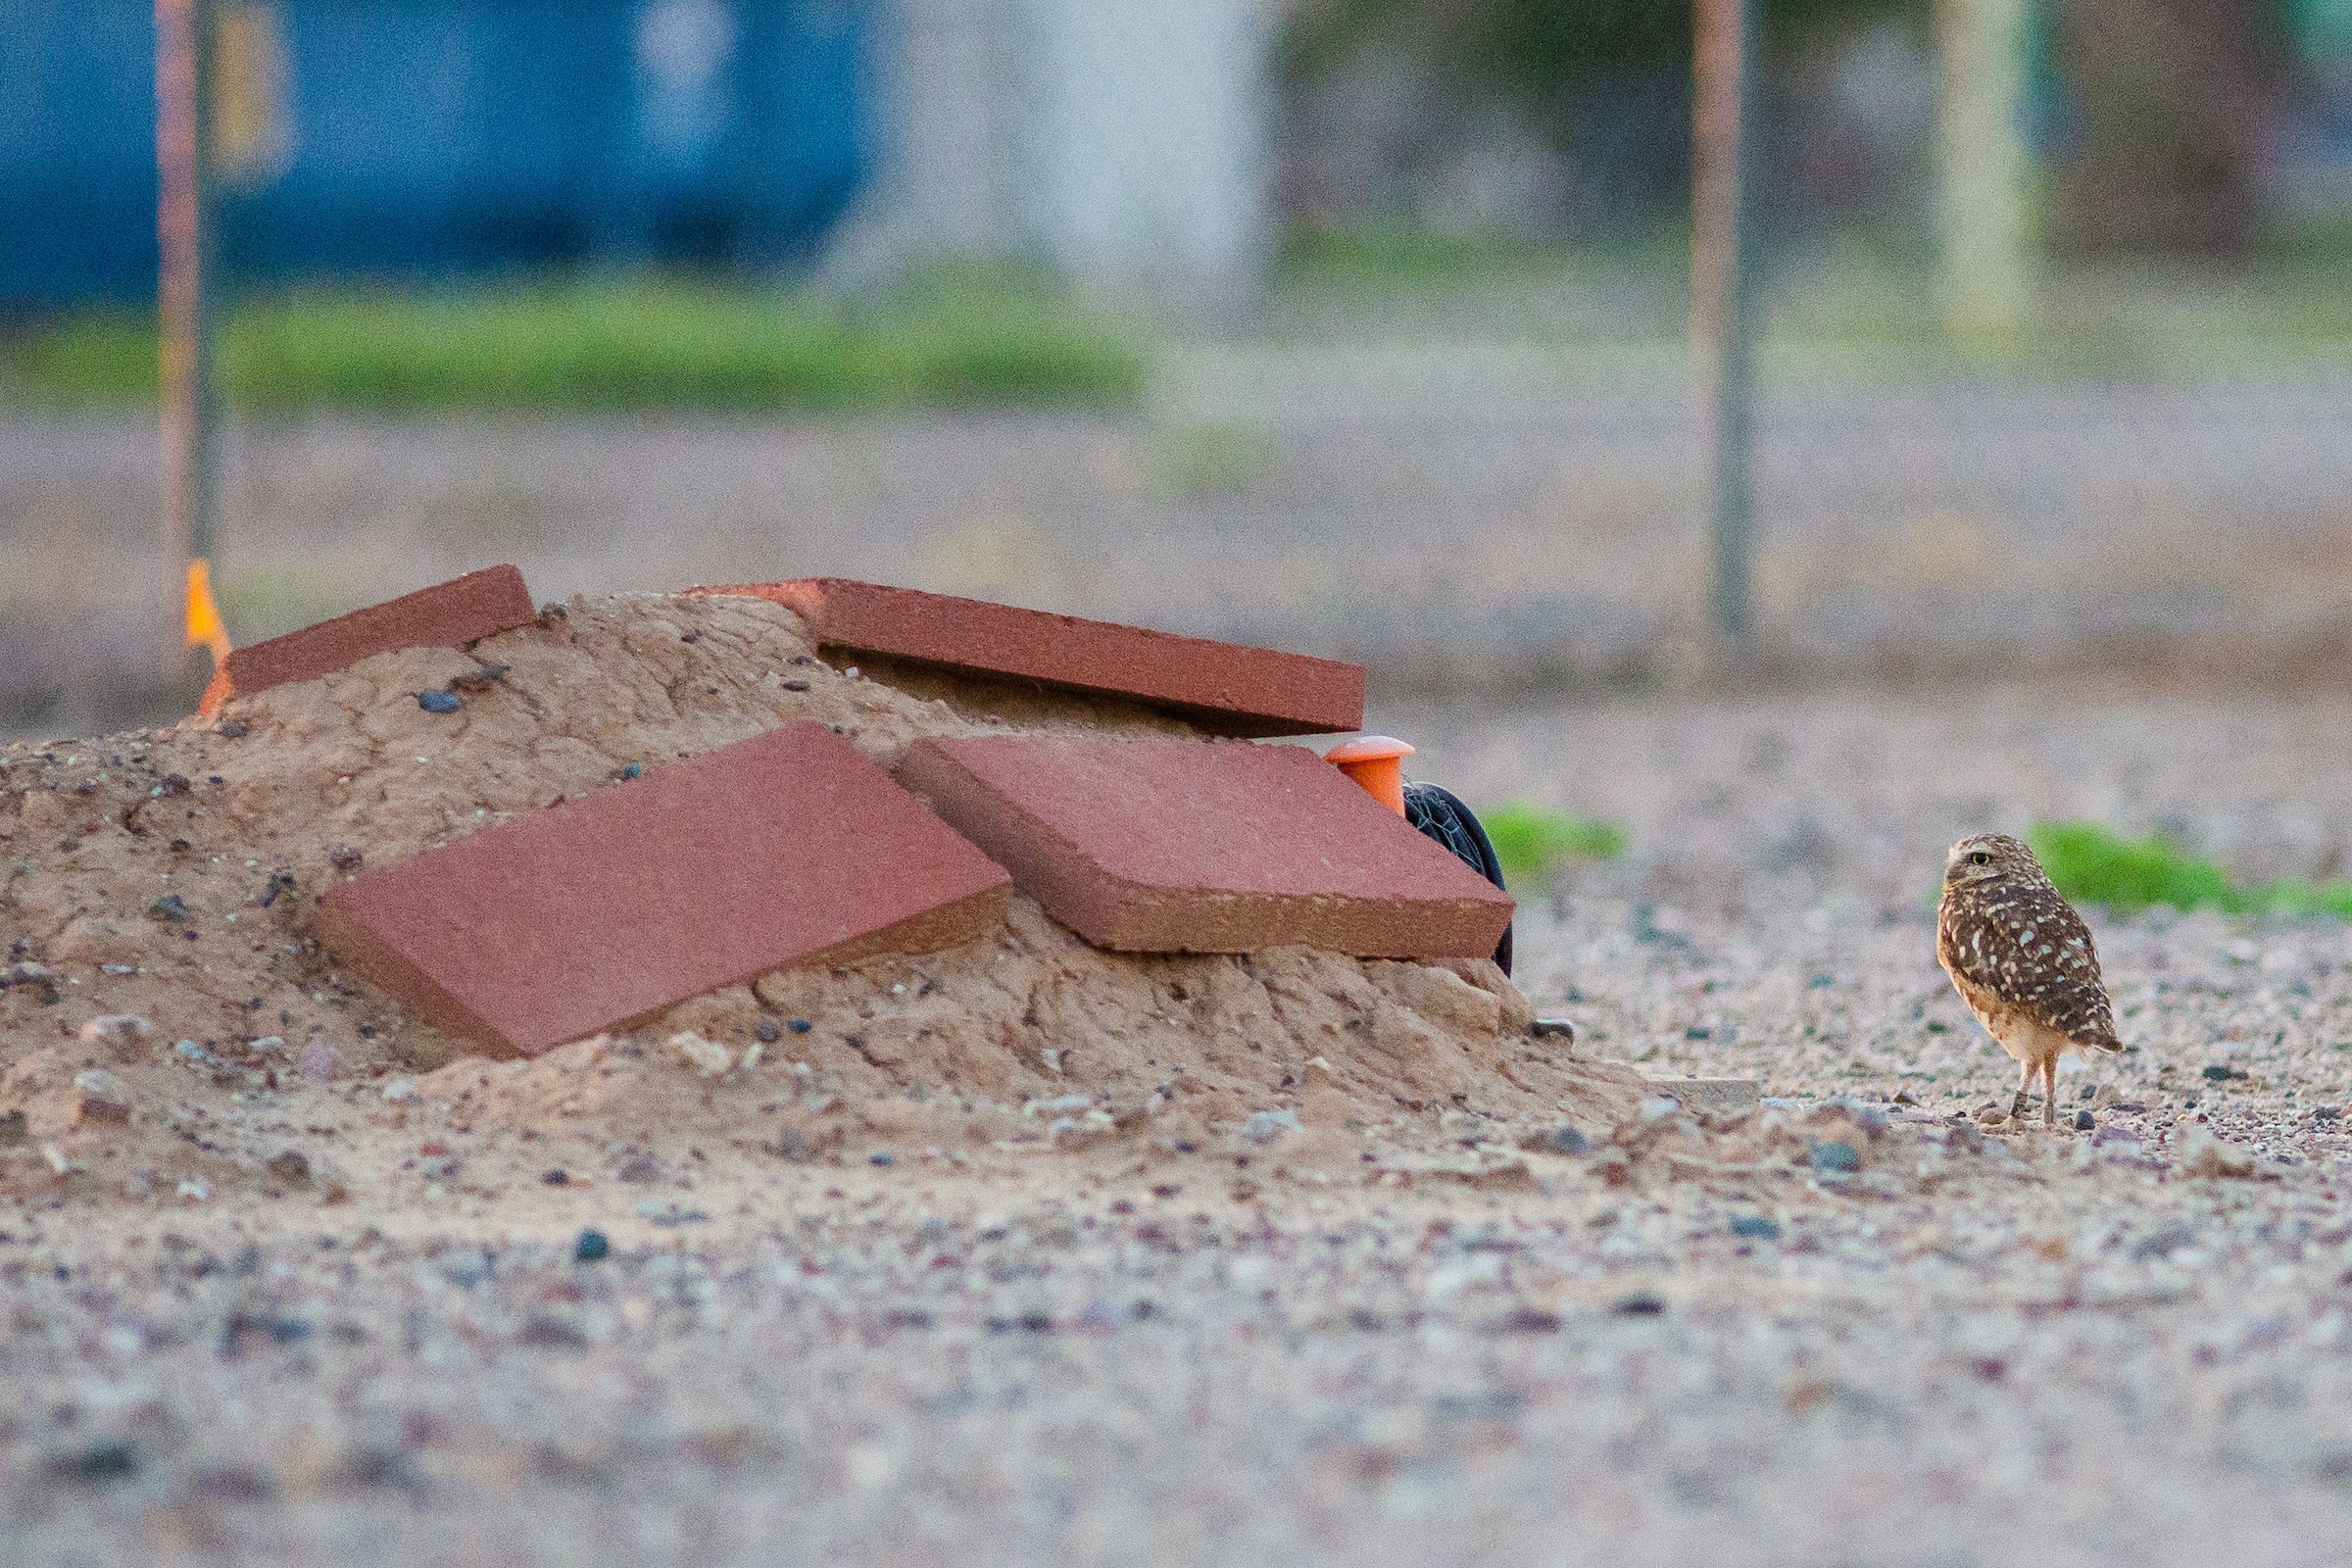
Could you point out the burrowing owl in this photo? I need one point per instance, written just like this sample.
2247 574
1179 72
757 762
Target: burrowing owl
2023 961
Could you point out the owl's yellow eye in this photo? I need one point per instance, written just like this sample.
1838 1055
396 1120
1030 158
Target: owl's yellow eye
1978 858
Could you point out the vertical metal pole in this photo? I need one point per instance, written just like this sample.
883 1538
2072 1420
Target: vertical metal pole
1722 331
184 36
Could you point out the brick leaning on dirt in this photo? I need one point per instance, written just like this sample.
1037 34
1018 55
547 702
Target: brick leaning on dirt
874 1248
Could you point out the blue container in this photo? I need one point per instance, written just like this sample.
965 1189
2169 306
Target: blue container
426 138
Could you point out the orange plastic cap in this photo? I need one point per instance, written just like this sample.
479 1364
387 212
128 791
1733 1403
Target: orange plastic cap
1377 764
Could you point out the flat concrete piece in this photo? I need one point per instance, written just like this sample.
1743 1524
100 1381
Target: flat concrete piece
448 614
1715 1095
788 849
1185 845
1224 688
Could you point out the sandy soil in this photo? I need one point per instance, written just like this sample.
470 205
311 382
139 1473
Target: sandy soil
1441 1333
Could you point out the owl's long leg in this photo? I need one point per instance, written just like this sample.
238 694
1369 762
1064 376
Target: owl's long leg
2050 1093
2016 1107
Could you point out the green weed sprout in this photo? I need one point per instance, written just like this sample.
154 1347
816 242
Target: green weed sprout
1532 840
2093 864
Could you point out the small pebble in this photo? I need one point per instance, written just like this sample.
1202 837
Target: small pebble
319 1061
440 701
1565 1140
1755 1227
99 1463
558 1178
2084 1121
633 770
705 1057
798 1026
766 1032
2217 1073
1830 1157
103 1097
120 1032
2163 1242
881 1160
171 906
591 1247
1640 1303
1264 1126
479 680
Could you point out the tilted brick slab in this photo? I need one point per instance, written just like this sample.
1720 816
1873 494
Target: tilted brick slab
1183 846
788 849
448 614
1224 688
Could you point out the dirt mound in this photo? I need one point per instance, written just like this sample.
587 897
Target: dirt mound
166 879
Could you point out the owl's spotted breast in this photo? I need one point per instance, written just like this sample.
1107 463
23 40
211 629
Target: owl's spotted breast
2014 946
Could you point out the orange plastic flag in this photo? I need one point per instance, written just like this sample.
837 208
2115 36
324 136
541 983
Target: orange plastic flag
204 615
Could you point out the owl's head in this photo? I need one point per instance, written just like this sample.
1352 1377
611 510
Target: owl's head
1989 857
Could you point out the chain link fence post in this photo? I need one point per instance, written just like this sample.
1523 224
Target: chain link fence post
1722 331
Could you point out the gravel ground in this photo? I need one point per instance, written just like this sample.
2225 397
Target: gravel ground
2071 1346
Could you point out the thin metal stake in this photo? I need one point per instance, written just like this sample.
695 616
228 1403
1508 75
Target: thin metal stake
190 401
1722 328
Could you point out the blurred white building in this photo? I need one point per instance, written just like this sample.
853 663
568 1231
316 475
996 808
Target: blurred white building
1117 139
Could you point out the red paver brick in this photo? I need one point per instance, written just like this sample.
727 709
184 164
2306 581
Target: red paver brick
448 614
784 850
1183 846
1224 688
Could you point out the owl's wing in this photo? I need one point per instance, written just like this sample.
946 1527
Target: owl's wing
2028 947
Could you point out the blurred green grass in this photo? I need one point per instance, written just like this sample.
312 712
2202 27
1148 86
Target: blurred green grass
1389 254
1860 295
1532 841
985 335
974 339
2089 863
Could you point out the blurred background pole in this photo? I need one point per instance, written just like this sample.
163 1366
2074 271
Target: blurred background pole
1983 165
1721 267
184 39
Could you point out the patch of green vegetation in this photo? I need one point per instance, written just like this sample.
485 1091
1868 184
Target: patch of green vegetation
101 357
965 338
1531 841
2096 865
1409 257
1865 296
